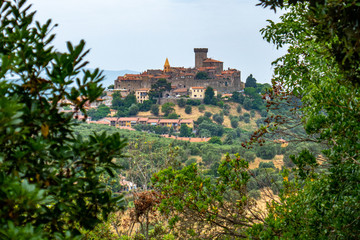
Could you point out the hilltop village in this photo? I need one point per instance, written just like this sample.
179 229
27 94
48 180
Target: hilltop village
134 89
190 82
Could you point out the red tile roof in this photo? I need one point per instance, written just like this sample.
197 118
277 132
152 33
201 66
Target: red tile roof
206 68
212 60
180 90
186 121
169 121
153 120
197 87
128 119
111 118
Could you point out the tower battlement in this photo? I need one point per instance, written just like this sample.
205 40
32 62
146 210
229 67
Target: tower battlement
200 56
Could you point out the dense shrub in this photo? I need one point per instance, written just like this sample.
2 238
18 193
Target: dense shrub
214 129
218 118
239 108
181 102
208 114
234 123
249 156
266 165
155 109
252 113
215 140
188 109
201 108
267 151
193 102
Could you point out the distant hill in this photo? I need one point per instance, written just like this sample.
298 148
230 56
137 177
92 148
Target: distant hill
111 75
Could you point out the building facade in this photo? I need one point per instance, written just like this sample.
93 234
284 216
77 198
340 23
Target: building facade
207 72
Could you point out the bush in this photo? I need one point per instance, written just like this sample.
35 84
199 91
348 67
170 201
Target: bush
185 131
227 106
234 123
208 114
215 140
252 113
225 112
247 119
190 161
202 119
260 122
202 108
218 118
204 133
155 109
181 102
247 103
133 110
167 108
239 109
249 156
263 113
193 102
267 151
172 116
202 75
220 104
214 129
188 109
266 165
145 106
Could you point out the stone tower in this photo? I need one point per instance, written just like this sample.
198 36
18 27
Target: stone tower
200 56
166 66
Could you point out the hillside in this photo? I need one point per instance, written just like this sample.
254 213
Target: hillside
213 109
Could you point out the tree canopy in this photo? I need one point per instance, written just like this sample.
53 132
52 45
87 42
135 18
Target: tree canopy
250 82
321 69
159 87
50 177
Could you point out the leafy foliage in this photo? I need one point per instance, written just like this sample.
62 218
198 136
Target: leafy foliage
49 176
202 75
321 69
167 108
250 82
158 88
200 208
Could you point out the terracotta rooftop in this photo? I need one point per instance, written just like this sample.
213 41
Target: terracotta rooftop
111 118
206 68
100 122
153 120
143 119
212 60
162 76
169 120
198 88
180 90
143 89
128 119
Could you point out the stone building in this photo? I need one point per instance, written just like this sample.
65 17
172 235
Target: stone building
142 94
211 72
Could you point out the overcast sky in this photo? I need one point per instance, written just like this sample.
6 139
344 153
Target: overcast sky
140 34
